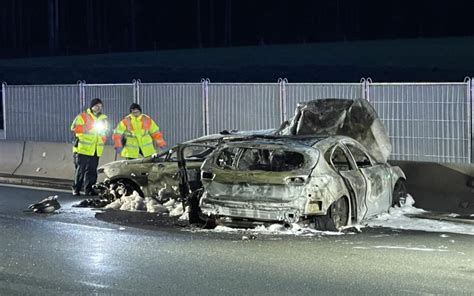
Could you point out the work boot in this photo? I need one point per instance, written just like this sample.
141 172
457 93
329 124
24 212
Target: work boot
75 192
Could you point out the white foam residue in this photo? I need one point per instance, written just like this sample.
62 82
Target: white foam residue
135 202
399 218
404 248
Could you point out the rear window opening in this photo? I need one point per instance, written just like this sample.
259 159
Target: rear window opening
252 159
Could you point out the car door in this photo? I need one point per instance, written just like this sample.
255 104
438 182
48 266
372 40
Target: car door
377 180
342 163
162 177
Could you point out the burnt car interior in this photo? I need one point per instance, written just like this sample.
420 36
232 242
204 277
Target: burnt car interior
339 159
191 153
275 160
361 158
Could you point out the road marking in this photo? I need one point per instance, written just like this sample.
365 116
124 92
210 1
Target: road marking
35 188
3 216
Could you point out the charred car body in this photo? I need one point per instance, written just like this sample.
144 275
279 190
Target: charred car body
317 168
331 182
158 175
327 166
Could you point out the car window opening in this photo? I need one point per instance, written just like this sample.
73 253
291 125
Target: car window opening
340 160
361 159
275 160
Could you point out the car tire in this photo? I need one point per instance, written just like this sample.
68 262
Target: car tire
337 216
400 193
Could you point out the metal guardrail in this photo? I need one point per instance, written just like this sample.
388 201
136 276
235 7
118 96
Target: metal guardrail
425 121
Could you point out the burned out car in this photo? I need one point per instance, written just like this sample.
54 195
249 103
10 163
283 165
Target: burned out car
158 175
327 166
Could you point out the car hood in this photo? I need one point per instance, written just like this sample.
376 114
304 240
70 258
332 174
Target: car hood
341 117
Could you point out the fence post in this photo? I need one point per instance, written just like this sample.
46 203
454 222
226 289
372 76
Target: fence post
4 102
82 94
470 98
282 85
205 104
366 87
136 90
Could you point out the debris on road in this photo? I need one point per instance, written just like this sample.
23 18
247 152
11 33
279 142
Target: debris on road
46 206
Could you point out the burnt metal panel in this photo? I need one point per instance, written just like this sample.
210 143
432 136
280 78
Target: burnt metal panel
304 92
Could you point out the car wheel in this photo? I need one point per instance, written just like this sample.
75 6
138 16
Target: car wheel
399 195
336 217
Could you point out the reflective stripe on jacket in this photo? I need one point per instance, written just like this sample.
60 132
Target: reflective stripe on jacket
91 133
138 134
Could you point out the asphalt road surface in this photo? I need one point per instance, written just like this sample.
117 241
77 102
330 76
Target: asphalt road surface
83 251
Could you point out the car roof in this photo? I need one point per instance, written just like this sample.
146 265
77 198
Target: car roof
272 139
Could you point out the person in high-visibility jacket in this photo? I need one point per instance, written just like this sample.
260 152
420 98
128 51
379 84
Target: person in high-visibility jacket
90 128
136 134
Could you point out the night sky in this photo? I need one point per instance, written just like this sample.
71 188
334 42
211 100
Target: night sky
65 27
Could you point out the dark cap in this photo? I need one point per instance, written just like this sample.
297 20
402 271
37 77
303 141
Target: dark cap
135 106
95 102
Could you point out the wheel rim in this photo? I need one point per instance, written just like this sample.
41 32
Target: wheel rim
340 213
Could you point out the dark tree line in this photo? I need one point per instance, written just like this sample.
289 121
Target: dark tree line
63 27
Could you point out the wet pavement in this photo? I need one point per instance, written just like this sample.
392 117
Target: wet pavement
86 251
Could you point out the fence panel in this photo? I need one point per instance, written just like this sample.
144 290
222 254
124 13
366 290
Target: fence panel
40 112
303 92
176 108
117 99
425 121
243 106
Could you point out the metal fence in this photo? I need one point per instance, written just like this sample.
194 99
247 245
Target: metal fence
40 113
428 120
177 109
425 121
243 106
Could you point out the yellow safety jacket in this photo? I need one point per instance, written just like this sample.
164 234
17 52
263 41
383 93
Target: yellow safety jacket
90 132
138 134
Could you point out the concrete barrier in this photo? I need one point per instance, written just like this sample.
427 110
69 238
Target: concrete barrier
108 155
11 155
440 187
53 160
48 160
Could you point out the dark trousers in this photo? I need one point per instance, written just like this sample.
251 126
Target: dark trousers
86 172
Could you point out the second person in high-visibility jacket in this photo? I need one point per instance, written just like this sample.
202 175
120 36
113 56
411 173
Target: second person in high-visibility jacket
136 134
